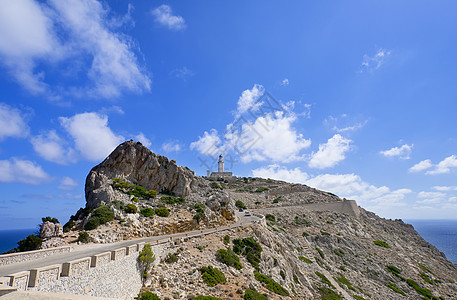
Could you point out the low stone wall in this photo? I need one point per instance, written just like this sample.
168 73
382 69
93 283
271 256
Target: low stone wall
6 259
19 280
76 267
45 275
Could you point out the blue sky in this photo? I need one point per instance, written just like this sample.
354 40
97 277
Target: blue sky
352 97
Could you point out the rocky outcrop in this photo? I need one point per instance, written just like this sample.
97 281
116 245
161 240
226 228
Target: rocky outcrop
134 162
49 230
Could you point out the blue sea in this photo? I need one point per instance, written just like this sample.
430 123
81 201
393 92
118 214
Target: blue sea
9 238
440 233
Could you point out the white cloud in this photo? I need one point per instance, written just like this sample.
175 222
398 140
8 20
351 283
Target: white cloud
63 34
421 166
163 15
343 123
402 152
269 137
285 82
24 171
444 166
281 173
171 147
51 147
91 134
67 184
208 144
143 140
330 153
182 73
445 188
12 122
431 197
372 63
248 99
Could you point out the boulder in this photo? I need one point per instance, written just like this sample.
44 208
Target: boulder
49 230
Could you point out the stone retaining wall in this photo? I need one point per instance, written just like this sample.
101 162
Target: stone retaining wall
6 259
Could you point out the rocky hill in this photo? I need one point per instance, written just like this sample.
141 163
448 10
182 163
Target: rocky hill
302 251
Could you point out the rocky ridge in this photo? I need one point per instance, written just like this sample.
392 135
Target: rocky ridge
311 254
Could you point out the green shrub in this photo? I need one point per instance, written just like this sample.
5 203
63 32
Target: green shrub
135 199
324 233
253 295
145 259
68 226
92 224
31 242
346 282
277 200
306 260
249 248
119 205
305 234
320 252
282 274
215 185
424 268
198 216
212 275
324 279
171 258
358 297
426 278
103 213
261 189
131 208
296 279
240 204
83 237
329 222
226 239
270 284
147 296
229 258
302 221
420 290
132 189
162 211
147 211
338 252
49 219
328 294
270 218
394 288
381 244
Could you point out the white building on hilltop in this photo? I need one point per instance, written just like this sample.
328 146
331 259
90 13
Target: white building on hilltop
220 170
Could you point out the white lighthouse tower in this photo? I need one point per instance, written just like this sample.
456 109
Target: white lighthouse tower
220 164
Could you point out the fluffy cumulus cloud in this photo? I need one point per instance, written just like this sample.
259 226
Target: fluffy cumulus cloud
270 137
330 153
281 173
443 167
67 184
208 144
402 152
431 197
171 147
12 122
91 134
441 188
163 15
421 166
23 171
52 147
249 99
374 62
143 140
56 34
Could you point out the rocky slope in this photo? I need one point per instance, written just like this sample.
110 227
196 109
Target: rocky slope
308 254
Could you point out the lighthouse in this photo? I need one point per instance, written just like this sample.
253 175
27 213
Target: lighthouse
220 164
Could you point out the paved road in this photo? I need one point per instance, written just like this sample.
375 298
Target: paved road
92 249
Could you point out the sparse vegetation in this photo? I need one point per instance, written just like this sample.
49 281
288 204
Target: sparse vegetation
91 224
306 260
68 226
31 242
240 204
277 200
147 296
100 215
320 252
296 279
83 237
381 244
162 211
206 298
212 275
302 221
226 239
426 278
133 189
229 258
253 295
420 290
395 271
172 200
394 288
171 258
328 294
343 280
270 284
199 211
131 208
270 218
305 234
147 212
49 219
249 248
282 274
215 185
338 252
324 279
261 189
424 268
145 259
